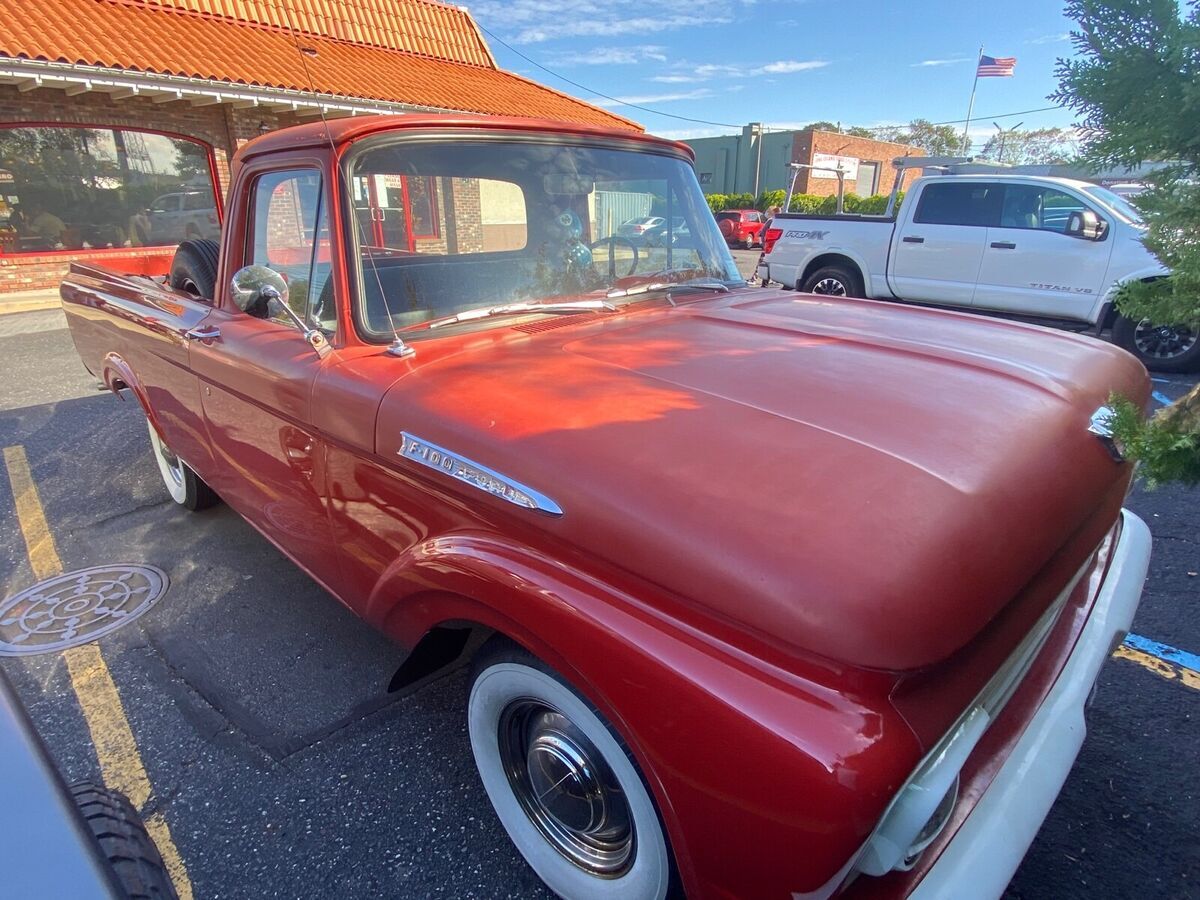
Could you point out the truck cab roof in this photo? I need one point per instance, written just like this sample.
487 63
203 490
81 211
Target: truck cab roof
344 131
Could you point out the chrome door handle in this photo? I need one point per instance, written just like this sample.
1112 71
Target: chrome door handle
204 333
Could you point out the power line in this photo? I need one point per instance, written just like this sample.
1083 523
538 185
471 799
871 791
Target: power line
584 87
1023 112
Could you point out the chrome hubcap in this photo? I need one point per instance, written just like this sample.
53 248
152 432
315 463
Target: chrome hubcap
174 466
1163 341
830 286
566 788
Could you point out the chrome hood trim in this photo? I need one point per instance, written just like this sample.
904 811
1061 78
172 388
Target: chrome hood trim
475 474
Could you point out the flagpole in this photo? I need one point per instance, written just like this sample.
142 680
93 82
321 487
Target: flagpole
971 105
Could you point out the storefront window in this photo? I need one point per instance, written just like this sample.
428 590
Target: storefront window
65 188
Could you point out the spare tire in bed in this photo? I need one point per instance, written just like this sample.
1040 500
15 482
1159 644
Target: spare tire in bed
194 268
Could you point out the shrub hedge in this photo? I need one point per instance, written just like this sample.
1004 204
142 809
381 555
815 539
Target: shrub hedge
812 204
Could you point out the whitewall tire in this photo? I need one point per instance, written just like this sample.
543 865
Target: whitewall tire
565 789
185 486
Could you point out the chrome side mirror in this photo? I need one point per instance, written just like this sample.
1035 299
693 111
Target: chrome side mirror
1087 225
254 287
261 292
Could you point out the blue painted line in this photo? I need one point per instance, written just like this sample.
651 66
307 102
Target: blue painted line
1164 652
1161 398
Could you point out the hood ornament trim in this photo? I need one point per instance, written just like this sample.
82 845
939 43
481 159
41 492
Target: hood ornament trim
475 474
1101 426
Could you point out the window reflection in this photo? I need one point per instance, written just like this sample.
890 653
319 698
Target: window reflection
65 188
446 227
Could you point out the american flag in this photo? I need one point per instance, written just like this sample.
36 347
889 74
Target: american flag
996 67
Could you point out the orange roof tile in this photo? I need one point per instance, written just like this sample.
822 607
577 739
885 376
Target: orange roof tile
426 27
414 52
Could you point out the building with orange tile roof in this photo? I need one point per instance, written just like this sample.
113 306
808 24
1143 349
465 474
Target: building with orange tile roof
107 102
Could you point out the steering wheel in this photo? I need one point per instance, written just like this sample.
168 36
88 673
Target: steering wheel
612 241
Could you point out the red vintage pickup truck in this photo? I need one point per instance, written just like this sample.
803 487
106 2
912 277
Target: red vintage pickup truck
765 594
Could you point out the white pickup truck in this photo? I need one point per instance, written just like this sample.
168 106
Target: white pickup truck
1046 249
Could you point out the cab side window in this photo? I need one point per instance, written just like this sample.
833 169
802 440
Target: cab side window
960 203
1042 208
290 234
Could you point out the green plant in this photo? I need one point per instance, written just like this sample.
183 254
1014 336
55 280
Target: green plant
1134 81
1167 447
767 199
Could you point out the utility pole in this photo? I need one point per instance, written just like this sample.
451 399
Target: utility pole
757 131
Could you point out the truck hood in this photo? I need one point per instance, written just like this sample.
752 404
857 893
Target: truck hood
861 481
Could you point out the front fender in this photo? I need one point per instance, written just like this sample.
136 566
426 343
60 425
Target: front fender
1108 300
766 782
116 374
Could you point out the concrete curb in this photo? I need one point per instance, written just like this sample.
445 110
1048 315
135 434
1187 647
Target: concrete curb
32 304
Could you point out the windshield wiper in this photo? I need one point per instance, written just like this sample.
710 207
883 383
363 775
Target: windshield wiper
515 309
716 287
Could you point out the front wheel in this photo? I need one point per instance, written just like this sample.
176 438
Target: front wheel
185 487
833 281
563 785
1166 348
122 838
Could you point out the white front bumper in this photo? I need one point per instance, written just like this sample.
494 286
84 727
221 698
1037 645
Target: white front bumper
981 858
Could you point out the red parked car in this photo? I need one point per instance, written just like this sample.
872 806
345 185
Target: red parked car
769 595
741 227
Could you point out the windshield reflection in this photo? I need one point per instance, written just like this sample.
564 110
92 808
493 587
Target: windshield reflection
449 227
1116 203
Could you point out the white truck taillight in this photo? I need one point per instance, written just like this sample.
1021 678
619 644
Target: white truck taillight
770 236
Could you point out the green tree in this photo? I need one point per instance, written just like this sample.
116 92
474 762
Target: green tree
935 140
1034 146
1135 80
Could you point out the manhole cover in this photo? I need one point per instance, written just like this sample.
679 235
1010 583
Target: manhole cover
77 607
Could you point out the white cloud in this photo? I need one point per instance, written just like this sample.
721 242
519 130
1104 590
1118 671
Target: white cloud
609 56
536 21
953 61
642 99
1054 38
687 74
787 66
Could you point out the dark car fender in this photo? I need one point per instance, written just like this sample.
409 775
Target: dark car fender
703 720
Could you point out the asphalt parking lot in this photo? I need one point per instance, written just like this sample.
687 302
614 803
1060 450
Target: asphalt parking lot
283 768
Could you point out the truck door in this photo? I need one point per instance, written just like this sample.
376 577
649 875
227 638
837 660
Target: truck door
1032 266
937 251
257 374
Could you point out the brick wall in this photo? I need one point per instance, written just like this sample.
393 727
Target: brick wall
221 127
808 143
467 220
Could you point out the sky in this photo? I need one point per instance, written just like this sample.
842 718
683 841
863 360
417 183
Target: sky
786 62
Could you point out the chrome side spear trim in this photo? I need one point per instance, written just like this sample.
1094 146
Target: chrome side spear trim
475 474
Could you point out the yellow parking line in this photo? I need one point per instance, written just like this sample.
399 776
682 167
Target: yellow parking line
39 542
120 762
1160 667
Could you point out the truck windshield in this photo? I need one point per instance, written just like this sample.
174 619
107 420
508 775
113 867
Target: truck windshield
1116 203
445 227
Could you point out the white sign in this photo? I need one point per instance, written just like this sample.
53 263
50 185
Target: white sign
848 165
